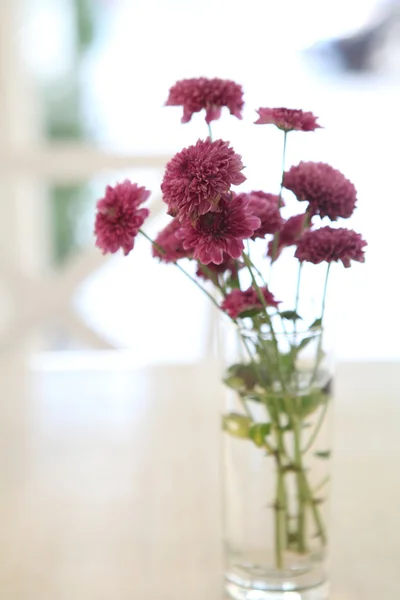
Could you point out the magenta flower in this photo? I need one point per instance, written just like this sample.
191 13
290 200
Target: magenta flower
170 247
237 302
327 190
119 217
266 208
197 177
228 265
210 94
329 245
287 119
291 231
216 234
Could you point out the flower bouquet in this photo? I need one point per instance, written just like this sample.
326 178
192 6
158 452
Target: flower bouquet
276 455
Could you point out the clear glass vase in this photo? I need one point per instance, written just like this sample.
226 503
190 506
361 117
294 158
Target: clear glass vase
276 453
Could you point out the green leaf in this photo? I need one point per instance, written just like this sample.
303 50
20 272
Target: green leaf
236 424
323 453
245 373
287 427
293 538
290 315
235 383
303 344
275 402
253 396
316 325
252 312
317 501
287 364
310 402
250 374
259 432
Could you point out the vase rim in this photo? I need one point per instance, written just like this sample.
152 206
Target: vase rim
280 333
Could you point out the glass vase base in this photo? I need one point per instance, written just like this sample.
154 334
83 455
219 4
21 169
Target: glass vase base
237 592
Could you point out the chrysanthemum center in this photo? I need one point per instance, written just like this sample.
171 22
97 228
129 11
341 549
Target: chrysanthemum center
212 223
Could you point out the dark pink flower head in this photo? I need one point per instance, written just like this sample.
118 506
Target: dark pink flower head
287 119
197 177
119 217
170 247
228 265
210 94
217 234
291 231
266 208
237 302
327 190
329 245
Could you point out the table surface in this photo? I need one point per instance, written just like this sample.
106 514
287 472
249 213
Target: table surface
109 491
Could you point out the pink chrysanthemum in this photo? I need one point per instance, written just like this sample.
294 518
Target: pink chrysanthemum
266 208
216 234
287 119
210 94
119 217
237 302
291 231
329 245
170 247
228 265
197 177
327 190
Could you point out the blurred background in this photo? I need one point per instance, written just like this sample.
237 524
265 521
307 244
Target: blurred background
83 83
107 487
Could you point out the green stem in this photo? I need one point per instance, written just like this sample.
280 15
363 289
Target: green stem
317 428
160 249
209 131
260 295
276 235
270 449
254 266
261 298
287 516
321 484
213 277
304 492
280 519
319 347
280 507
325 292
281 504
314 509
296 308
301 521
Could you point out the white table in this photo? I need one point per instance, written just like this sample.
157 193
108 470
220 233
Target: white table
109 483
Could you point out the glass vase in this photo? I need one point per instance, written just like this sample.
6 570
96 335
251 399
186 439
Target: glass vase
276 450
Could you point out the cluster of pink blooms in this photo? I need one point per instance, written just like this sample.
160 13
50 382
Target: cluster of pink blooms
210 221
209 94
238 302
290 232
287 119
119 217
266 208
220 232
326 189
198 177
331 245
167 246
229 266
